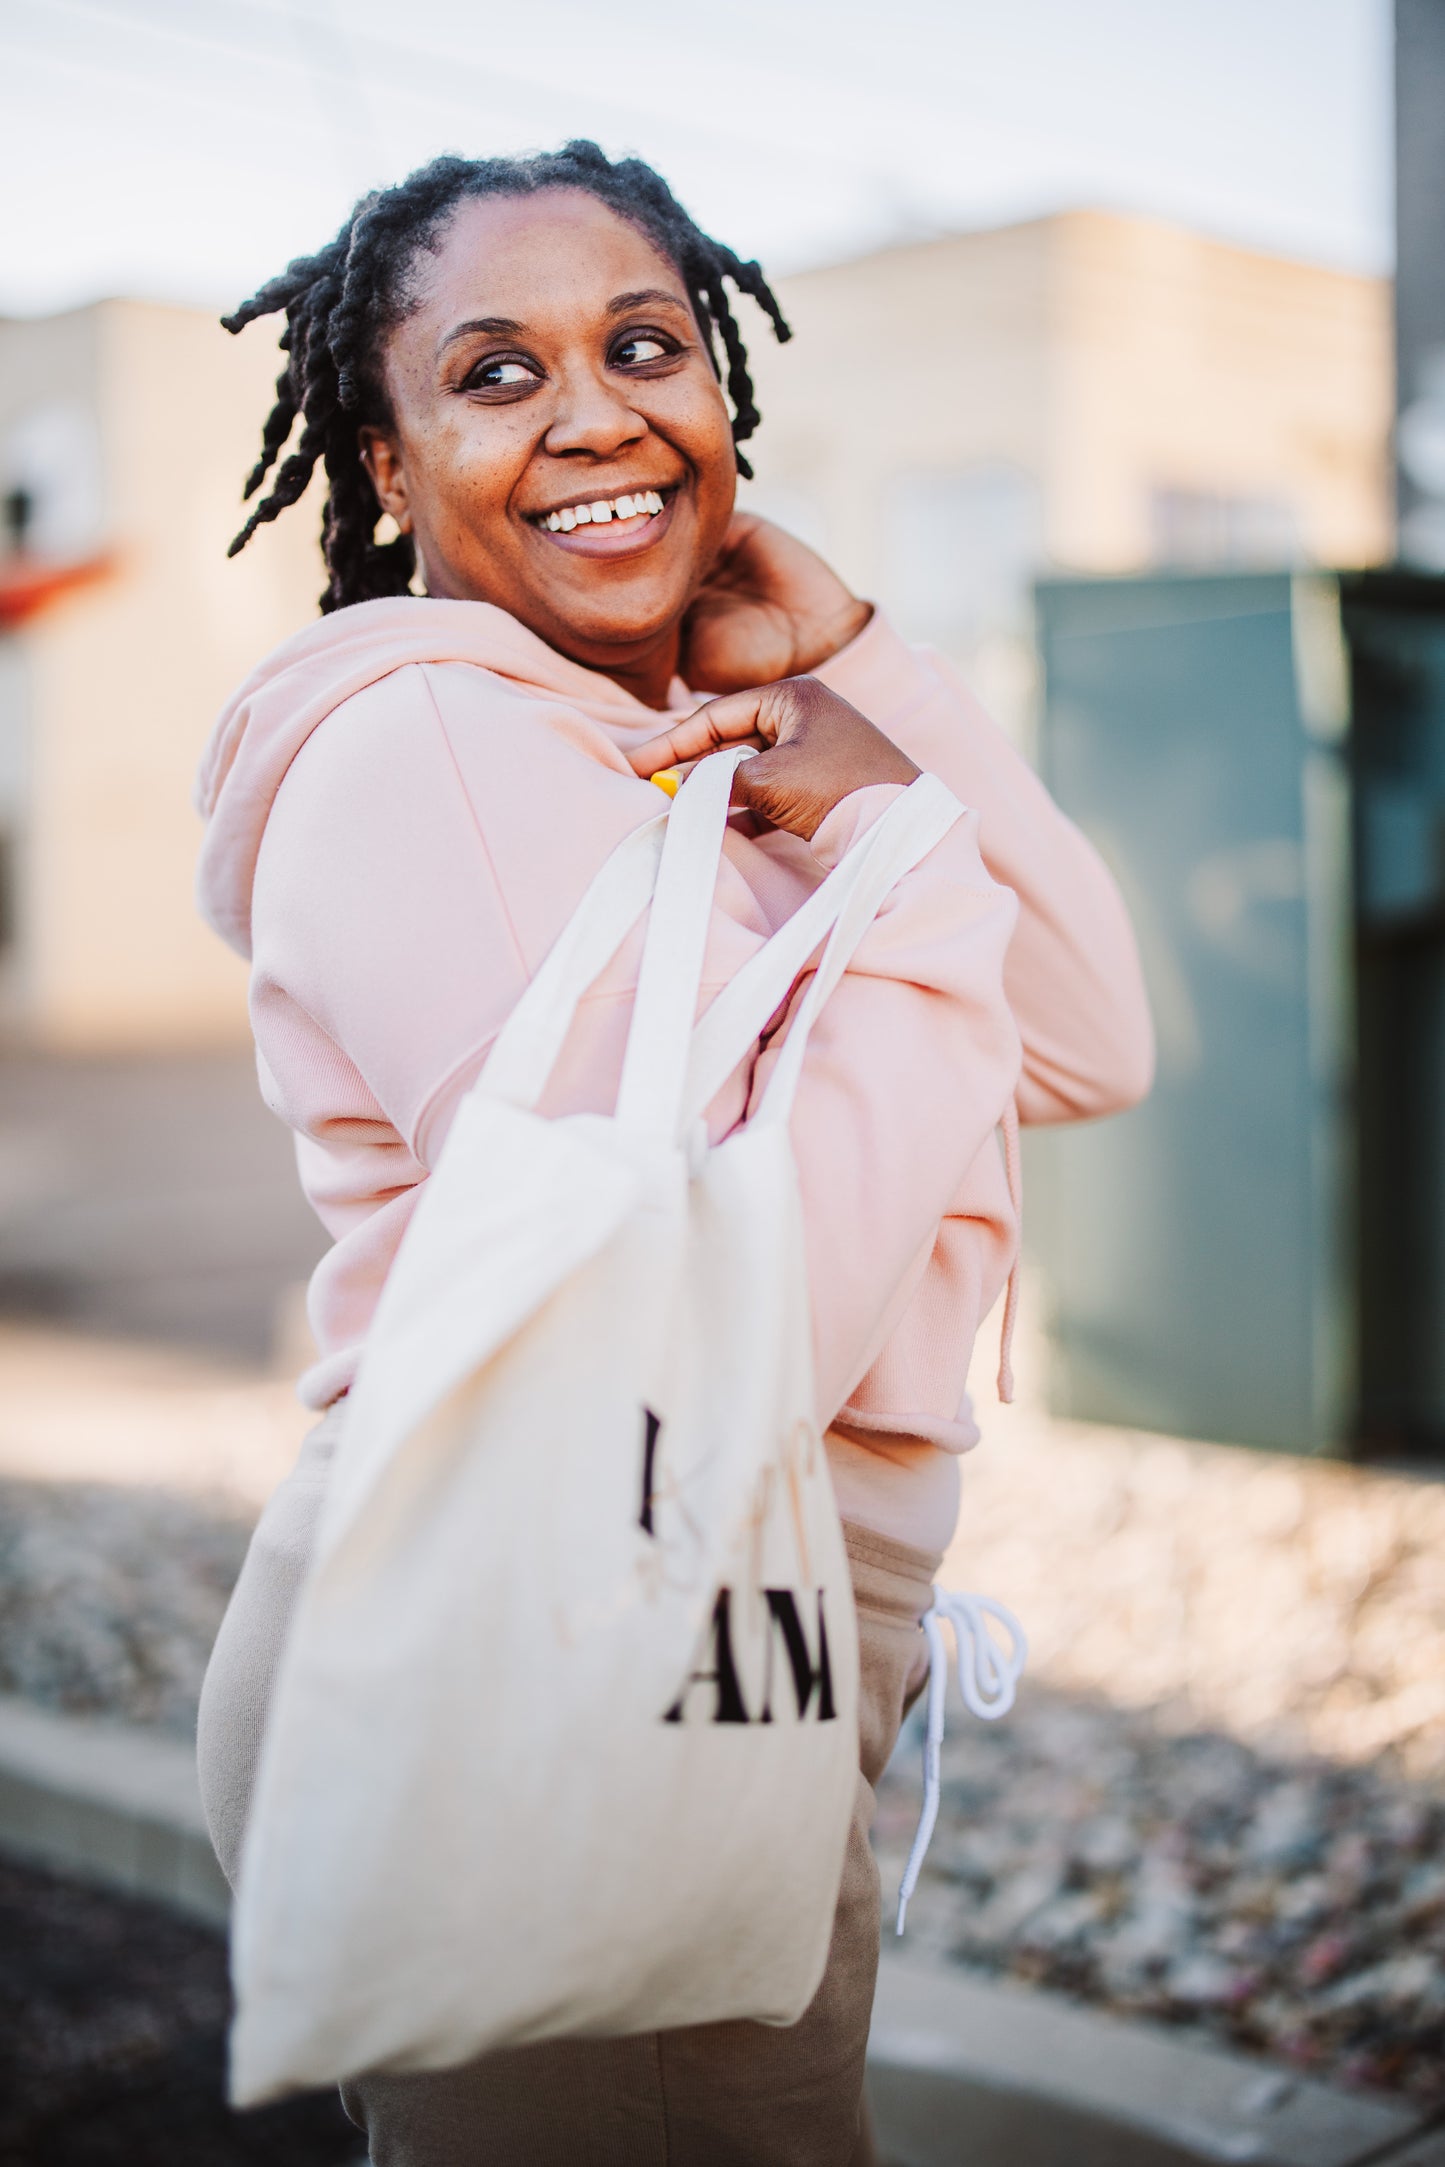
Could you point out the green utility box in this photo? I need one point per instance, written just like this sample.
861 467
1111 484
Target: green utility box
1258 1253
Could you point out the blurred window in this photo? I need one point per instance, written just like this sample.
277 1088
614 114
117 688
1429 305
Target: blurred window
1211 527
51 481
961 550
17 510
8 896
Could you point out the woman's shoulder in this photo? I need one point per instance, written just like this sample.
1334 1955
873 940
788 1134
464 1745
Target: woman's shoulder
393 720
441 759
479 728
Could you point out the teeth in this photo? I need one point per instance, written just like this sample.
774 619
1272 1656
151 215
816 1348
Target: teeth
604 511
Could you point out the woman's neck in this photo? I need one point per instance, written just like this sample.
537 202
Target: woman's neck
645 668
646 672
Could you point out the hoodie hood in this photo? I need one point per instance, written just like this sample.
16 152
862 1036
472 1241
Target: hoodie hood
264 725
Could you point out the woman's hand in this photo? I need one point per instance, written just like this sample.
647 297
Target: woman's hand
819 750
769 608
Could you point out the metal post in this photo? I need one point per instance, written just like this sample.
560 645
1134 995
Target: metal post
1420 279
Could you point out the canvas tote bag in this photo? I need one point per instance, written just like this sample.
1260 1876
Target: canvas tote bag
564 1738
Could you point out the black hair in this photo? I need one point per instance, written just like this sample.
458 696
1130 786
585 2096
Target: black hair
340 303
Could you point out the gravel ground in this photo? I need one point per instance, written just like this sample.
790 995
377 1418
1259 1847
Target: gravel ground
1293 1907
112 2054
110 1598
1297 1604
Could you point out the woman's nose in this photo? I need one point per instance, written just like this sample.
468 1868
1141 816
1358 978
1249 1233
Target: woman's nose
593 415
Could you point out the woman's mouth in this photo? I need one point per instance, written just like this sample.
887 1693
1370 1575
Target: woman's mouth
609 526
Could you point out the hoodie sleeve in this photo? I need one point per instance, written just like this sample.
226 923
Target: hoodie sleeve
1072 975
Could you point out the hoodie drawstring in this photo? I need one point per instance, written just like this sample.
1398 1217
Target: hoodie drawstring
987 1679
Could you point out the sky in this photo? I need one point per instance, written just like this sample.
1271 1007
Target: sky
186 149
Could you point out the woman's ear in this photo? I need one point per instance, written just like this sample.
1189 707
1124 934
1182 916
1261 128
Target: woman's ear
381 457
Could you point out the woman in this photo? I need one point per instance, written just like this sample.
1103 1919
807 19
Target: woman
515 362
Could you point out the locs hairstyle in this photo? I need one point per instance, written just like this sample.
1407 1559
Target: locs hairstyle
341 302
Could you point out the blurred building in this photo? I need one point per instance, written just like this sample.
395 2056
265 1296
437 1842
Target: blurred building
1087 392
125 432
1083 391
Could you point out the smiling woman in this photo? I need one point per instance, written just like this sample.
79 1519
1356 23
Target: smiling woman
504 340
518 362
543 368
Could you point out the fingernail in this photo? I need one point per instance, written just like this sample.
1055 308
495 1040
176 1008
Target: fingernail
668 781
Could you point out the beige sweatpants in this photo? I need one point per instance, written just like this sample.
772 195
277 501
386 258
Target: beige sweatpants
712 2095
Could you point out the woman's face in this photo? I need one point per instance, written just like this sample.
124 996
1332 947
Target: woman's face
551 366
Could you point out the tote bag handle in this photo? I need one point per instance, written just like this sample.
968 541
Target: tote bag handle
525 1050
654 1067
672 1069
839 911
671 862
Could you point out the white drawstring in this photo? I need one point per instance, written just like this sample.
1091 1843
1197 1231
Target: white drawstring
987 1678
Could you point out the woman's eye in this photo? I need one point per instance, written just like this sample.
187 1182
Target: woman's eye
500 375
642 346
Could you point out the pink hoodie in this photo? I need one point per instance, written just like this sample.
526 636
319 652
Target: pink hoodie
405 802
